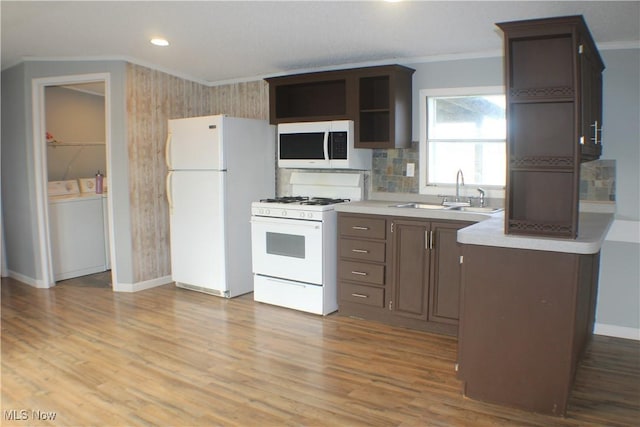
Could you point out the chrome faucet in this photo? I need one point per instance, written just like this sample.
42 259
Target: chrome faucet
457 202
482 196
459 177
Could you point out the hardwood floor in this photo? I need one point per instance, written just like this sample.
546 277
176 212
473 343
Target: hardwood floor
172 357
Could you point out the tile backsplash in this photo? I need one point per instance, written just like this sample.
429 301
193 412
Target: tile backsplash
598 181
388 175
389 169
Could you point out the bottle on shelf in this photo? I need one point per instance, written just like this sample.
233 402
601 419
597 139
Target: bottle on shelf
99 179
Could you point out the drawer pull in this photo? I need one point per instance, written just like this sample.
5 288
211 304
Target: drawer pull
359 273
357 227
360 295
360 251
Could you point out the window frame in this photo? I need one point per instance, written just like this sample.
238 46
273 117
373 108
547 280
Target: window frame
492 191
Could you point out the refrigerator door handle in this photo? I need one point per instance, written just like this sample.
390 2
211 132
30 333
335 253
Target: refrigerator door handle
169 189
167 151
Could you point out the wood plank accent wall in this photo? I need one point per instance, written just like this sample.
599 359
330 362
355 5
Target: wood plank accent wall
249 100
153 97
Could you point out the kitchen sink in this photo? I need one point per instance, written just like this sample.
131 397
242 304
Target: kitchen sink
478 209
414 205
434 206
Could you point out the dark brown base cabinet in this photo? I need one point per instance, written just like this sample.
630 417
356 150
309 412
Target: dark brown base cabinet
400 271
526 317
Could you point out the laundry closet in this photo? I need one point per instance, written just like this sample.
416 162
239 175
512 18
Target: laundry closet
76 168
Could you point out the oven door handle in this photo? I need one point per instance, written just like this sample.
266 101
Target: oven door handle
286 222
287 282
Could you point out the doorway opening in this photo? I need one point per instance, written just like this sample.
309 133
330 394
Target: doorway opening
72 140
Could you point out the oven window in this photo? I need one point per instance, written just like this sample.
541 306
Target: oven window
289 245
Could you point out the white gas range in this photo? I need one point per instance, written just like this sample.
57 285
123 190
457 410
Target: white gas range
294 242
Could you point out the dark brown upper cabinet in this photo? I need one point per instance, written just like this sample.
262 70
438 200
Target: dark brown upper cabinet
311 97
554 121
384 107
591 68
377 99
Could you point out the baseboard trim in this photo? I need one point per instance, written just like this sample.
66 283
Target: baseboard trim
28 280
617 331
141 286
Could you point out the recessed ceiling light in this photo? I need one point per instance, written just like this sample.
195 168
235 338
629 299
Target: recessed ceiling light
159 42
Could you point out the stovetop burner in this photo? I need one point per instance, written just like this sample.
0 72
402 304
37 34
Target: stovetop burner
323 201
285 199
300 200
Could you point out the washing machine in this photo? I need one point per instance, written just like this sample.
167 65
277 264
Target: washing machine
88 186
76 224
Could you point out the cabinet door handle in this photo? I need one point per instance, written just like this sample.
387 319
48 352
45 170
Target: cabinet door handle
360 295
595 132
357 227
428 237
599 129
360 251
359 273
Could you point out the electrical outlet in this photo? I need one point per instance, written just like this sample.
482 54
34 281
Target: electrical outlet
411 169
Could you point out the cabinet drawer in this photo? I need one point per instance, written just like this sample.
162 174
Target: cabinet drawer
362 250
362 294
368 228
361 272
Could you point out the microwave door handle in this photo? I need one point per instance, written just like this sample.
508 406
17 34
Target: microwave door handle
326 145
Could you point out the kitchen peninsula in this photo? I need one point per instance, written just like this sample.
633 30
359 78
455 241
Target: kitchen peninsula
526 305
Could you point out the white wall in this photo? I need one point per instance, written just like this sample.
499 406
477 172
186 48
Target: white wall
77 122
73 116
621 127
618 311
18 189
619 292
75 161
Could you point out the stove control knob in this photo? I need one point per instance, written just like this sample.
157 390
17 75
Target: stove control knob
267 211
284 213
301 214
260 211
310 215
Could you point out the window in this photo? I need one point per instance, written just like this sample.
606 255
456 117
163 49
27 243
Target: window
463 129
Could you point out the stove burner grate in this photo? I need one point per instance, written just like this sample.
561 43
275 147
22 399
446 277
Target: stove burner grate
286 199
323 201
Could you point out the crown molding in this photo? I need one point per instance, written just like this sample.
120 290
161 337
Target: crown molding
621 45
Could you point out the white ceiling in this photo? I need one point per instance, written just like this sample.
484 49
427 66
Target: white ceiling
221 41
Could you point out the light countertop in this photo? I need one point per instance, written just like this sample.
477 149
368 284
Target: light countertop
385 207
592 229
489 228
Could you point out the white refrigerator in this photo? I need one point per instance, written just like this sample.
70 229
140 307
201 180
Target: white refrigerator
217 166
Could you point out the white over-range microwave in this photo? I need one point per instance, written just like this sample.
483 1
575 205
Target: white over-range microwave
320 145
